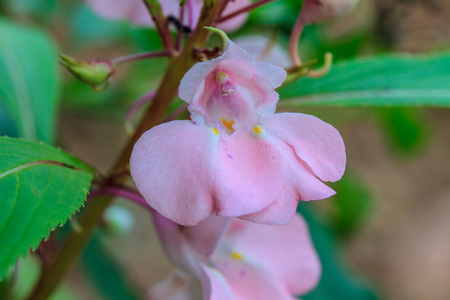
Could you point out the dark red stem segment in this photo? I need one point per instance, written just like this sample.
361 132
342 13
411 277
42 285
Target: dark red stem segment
141 56
243 10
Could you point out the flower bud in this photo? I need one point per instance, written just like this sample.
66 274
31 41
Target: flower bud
314 11
92 72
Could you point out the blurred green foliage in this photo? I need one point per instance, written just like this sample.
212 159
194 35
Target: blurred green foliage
29 79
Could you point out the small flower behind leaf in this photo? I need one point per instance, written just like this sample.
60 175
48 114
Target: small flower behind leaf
93 72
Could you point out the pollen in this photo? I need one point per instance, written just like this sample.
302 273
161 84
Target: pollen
215 130
228 124
220 75
236 255
257 129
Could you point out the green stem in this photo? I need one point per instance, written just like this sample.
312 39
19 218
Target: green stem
54 273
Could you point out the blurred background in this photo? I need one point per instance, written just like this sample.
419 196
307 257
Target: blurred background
385 235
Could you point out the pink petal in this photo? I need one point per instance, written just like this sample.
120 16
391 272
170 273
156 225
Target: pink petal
315 142
237 56
205 236
263 96
255 81
279 212
115 9
284 252
236 22
248 175
299 184
214 285
192 83
258 47
245 279
175 287
170 165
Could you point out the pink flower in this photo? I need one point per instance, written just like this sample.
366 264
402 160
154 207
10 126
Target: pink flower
321 10
236 158
136 12
262 48
251 261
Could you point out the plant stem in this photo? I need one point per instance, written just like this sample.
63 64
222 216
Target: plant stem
141 56
125 193
243 10
135 107
160 23
54 273
293 40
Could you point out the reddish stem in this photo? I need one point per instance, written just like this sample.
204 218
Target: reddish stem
124 193
181 29
243 10
293 40
143 55
137 105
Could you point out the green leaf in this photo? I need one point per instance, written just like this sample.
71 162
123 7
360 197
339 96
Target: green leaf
105 273
41 188
337 282
351 204
29 81
382 81
404 129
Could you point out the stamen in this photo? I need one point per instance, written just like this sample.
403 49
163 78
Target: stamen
236 255
220 76
228 124
257 129
215 131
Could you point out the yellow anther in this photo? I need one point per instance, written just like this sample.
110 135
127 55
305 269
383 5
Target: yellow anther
236 255
228 124
215 130
220 75
257 129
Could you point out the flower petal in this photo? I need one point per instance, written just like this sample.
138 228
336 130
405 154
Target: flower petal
299 184
315 142
236 22
192 83
170 165
284 252
205 236
258 47
214 285
279 212
176 287
247 280
248 175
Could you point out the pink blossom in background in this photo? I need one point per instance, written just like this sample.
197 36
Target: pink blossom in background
251 261
262 48
136 12
322 10
236 158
